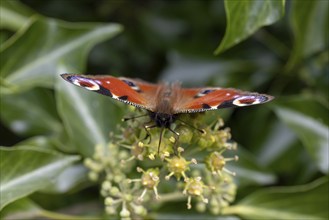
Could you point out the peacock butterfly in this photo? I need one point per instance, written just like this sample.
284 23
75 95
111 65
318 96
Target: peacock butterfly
165 102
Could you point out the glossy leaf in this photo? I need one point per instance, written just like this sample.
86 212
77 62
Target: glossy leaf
68 179
88 117
310 125
51 142
27 209
33 58
25 170
71 176
296 202
245 17
13 14
21 209
32 112
249 171
276 145
309 21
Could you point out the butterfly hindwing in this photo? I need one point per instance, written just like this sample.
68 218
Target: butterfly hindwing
130 91
204 99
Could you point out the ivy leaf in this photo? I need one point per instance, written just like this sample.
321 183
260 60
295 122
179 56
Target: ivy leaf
13 14
71 177
27 209
25 170
308 119
20 209
308 201
249 171
309 21
22 120
246 17
34 56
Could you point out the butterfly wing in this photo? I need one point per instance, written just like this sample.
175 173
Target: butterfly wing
204 99
131 91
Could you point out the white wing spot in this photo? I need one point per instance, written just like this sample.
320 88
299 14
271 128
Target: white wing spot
107 82
76 82
93 87
238 102
228 94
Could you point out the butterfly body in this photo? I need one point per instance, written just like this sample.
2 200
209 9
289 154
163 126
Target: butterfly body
166 101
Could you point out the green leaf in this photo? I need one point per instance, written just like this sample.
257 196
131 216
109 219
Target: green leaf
50 142
278 142
309 21
27 209
68 179
25 170
33 58
21 209
283 154
30 113
88 117
296 202
246 17
72 177
13 14
308 119
249 171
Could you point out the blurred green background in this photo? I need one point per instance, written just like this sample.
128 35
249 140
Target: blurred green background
274 47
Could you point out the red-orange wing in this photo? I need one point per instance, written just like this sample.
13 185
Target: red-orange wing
204 99
131 91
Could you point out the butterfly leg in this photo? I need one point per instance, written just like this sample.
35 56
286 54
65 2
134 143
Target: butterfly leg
160 139
148 134
176 134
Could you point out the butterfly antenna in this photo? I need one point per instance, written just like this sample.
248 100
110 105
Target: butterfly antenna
132 118
191 126
160 139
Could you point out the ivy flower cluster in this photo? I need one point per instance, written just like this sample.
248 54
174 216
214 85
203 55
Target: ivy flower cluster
135 172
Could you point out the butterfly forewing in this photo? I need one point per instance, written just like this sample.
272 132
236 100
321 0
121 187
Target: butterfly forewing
134 92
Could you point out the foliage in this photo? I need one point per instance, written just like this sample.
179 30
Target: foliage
52 132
